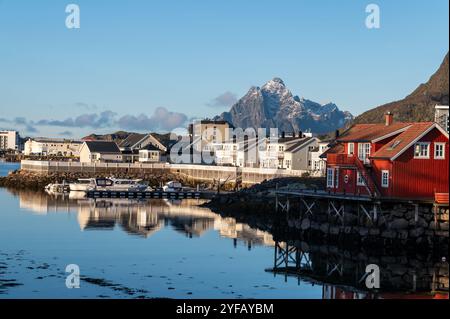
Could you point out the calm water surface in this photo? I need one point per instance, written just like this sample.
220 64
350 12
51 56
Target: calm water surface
5 168
135 249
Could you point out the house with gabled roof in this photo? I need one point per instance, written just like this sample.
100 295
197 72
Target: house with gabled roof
135 142
100 152
395 160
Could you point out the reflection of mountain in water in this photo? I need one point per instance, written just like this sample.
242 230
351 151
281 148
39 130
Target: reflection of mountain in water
145 217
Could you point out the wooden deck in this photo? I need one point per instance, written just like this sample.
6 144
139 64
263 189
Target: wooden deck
350 197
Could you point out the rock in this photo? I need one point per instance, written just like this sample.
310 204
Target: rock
334 230
389 234
400 223
416 232
324 228
402 234
363 231
306 224
374 232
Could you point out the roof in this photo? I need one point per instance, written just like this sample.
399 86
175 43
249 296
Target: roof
335 149
132 140
371 132
55 140
297 145
102 147
402 142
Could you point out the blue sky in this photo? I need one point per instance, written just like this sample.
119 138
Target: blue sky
150 65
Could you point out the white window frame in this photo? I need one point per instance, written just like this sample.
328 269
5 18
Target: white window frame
359 179
352 149
385 178
364 150
336 178
427 144
330 177
436 156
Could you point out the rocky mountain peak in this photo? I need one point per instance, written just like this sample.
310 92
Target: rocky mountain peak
273 105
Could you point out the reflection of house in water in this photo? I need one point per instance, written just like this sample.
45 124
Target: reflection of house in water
342 274
145 217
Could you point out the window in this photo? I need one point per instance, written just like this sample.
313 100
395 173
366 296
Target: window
364 151
439 150
385 179
359 179
330 177
351 148
287 163
422 150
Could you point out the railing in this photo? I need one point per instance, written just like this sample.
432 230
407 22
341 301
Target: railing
343 159
369 182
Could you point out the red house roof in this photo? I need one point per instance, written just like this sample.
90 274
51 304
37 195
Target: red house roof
403 141
371 132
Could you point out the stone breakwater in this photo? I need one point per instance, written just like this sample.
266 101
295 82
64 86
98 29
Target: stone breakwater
398 224
33 181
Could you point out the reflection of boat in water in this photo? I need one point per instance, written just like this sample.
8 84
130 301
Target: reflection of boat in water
77 195
56 188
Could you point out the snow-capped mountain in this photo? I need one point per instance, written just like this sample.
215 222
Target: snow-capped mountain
273 105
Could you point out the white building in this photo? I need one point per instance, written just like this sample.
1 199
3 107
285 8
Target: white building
149 154
319 164
441 116
9 140
290 153
53 147
100 152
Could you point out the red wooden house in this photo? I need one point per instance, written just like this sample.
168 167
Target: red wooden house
396 160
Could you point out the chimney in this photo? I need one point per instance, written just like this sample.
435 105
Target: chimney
283 134
389 118
336 134
300 134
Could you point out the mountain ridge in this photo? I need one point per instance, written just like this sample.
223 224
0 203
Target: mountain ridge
274 106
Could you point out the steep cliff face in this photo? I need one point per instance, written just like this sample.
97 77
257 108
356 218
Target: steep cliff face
273 105
419 105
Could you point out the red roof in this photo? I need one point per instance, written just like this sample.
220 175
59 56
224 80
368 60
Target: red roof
400 142
370 132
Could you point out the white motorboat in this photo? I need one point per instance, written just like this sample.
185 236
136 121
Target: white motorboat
120 185
172 186
83 185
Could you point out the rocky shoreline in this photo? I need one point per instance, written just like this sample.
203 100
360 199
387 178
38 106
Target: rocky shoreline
31 181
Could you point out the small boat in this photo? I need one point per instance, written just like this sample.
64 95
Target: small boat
119 185
83 185
172 186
